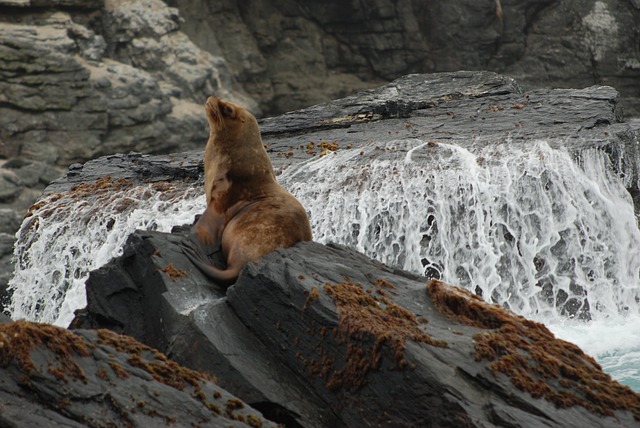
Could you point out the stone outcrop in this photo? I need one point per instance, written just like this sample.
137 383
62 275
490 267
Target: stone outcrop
50 376
292 53
80 79
77 84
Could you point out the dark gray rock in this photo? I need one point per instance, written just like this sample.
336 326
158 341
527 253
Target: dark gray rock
33 173
328 337
10 185
462 108
149 281
136 167
469 109
63 4
6 263
10 221
54 377
80 82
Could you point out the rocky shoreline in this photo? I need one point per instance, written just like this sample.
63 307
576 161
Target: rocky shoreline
321 335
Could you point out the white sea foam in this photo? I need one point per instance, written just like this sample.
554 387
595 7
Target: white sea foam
67 236
552 236
615 343
524 225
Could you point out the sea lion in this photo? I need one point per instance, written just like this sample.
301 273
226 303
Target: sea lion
248 213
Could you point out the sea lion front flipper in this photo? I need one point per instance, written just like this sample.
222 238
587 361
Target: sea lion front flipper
207 232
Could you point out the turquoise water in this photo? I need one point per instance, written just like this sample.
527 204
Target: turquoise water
614 344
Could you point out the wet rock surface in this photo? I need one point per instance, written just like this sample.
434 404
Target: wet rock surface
296 53
462 108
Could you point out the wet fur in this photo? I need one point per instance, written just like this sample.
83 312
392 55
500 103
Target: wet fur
248 213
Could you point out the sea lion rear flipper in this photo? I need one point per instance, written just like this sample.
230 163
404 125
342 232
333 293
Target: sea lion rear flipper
206 246
196 254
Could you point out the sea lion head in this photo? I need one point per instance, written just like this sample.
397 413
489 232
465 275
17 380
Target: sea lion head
228 120
235 147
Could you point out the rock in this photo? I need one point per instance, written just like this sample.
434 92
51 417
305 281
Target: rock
6 264
146 35
80 79
462 108
10 185
291 56
79 82
202 321
98 378
344 335
10 221
468 109
64 4
32 172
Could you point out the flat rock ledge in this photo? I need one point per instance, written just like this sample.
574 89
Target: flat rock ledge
321 335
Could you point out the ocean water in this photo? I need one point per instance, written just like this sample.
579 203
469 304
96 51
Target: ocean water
614 343
548 234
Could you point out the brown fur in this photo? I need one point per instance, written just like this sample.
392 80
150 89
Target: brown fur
248 213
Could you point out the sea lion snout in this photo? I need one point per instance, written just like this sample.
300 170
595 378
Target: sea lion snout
212 110
217 109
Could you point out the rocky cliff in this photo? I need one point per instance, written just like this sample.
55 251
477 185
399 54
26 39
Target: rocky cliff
83 79
291 53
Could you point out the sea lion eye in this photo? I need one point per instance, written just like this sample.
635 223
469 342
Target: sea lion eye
228 110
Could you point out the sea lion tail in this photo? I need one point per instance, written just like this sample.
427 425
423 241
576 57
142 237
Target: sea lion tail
225 277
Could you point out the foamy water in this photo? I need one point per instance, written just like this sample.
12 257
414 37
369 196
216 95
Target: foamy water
550 235
615 343
68 236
